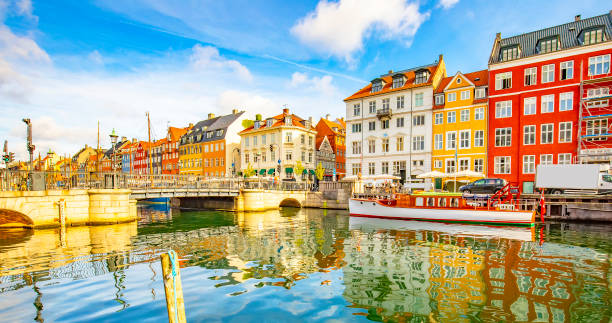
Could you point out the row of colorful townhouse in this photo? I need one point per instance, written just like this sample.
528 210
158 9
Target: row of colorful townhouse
544 99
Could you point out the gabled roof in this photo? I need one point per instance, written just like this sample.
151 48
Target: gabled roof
176 133
321 141
213 124
334 124
409 74
478 78
279 120
569 36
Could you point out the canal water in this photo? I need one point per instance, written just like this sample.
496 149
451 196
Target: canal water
307 265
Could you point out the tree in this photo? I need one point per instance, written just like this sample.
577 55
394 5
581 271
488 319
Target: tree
319 171
249 171
299 169
247 123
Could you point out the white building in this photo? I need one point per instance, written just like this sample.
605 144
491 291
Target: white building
389 123
282 140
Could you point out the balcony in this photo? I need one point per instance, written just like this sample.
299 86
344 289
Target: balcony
384 113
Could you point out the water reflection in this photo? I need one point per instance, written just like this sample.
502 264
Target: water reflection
307 265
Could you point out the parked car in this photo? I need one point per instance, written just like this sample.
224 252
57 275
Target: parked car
483 186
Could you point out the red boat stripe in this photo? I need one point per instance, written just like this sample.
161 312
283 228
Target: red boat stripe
430 219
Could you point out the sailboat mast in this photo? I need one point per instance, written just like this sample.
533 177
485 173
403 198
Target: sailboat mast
149 131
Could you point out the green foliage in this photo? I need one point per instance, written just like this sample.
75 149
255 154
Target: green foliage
249 171
247 123
258 117
320 171
299 169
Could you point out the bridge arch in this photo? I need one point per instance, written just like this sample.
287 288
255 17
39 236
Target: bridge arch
290 202
11 218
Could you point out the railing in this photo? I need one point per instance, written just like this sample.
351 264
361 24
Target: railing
386 112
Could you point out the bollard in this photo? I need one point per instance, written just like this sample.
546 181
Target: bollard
173 287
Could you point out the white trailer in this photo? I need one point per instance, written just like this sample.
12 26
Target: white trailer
574 178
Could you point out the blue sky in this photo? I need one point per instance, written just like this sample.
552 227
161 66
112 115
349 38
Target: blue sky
69 63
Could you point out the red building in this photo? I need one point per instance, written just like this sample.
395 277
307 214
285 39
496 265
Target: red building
335 131
537 83
141 159
170 152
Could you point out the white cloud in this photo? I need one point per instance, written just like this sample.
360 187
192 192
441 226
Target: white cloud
339 28
447 4
24 8
252 102
20 47
96 57
208 58
321 85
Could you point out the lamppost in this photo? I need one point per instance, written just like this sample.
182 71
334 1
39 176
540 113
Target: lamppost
234 160
113 138
30 150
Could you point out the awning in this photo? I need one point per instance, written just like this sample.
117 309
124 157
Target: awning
271 171
262 172
311 171
289 170
304 172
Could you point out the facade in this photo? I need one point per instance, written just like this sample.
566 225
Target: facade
278 142
81 159
389 123
326 157
127 153
170 150
156 156
460 123
335 132
537 82
141 159
211 147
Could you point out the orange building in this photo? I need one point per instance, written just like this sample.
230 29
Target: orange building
170 151
335 131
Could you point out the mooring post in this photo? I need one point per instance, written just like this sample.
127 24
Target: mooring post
62 221
173 287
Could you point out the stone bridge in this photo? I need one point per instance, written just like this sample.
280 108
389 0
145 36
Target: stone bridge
35 209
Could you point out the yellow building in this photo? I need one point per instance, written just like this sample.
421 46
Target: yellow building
460 123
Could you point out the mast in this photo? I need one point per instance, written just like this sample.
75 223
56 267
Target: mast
98 150
149 131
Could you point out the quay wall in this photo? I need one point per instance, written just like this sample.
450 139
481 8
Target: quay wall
40 209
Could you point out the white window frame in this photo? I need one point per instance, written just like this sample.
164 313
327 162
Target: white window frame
568 66
529 135
546 159
467 141
479 93
449 141
399 102
479 139
563 157
500 81
448 117
505 161
465 95
505 134
464 115
565 132
566 101
479 113
452 97
479 165
530 106
528 164
439 141
599 65
532 73
548 73
547 103
439 118
418 100
503 109
548 132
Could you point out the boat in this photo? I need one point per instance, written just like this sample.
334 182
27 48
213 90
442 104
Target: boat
502 208
156 200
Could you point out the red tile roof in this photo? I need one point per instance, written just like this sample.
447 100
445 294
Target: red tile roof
479 78
279 121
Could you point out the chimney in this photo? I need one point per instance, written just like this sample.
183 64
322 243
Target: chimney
310 120
123 139
286 111
390 71
235 111
440 58
498 36
211 115
190 125
327 116
577 18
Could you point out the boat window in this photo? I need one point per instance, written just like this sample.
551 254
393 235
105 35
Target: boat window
419 201
454 202
430 202
442 202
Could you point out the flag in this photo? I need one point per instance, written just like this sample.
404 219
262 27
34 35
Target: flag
542 207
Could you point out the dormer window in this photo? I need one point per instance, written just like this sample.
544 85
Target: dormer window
377 85
288 121
256 125
335 129
398 81
548 45
421 77
209 134
593 36
219 132
439 99
269 122
509 53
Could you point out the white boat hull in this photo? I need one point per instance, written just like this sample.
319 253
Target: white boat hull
372 209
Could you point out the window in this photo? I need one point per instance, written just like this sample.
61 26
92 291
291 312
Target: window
384 124
310 139
418 100
269 122
464 164
356 110
599 65
479 165
302 139
566 101
398 82
439 99
451 116
246 141
372 105
480 93
288 156
451 140
437 163
596 128
372 125
450 166
385 167
385 104
503 109
503 137
465 95
501 165
399 166
418 120
464 139
479 138
418 143
289 135
565 131
385 145
377 86
549 45
371 146
529 134
546 159
464 115
548 73
503 81
399 144
371 168
567 70
593 36
479 114
438 141
421 77
531 75
452 97
399 104
548 103
400 122
356 168
509 53
546 133
565 158
356 147
528 164
529 106
438 118
355 126
597 92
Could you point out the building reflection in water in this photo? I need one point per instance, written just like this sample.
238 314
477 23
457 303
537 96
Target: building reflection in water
398 271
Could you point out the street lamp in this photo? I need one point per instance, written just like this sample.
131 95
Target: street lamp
113 138
234 160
